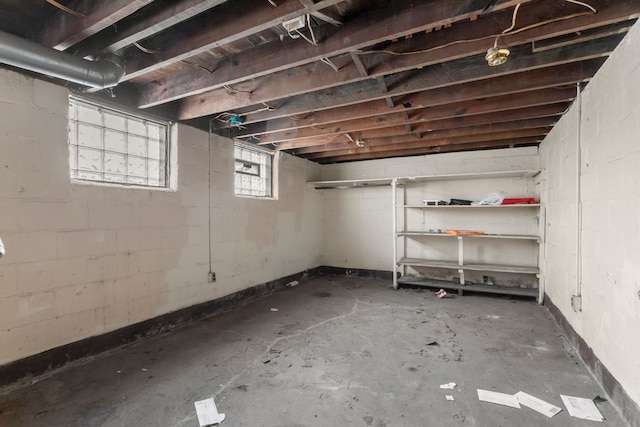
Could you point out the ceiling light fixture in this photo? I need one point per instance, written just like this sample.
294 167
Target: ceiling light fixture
497 55
358 141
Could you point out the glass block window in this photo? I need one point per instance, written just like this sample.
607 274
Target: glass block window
253 172
107 145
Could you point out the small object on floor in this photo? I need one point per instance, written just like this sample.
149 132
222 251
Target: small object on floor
274 309
599 399
538 405
582 408
433 343
208 413
449 397
292 284
448 386
441 294
144 369
498 398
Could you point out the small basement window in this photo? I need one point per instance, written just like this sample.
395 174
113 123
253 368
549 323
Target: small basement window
112 146
253 171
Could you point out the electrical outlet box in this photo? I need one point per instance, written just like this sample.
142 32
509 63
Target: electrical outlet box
212 277
295 23
576 303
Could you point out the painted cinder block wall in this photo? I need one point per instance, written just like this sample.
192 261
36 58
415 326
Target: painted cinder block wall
83 260
358 222
609 191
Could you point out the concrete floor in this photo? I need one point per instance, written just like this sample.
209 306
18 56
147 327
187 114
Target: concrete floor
339 351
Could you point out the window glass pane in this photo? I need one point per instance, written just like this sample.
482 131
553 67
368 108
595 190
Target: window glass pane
115 178
137 167
114 121
153 131
115 163
252 172
90 176
89 114
154 168
137 127
154 149
137 146
113 146
89 159
73 157
115 141
89 136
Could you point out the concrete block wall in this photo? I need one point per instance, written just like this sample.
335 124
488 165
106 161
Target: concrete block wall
608 240
83 259
358 222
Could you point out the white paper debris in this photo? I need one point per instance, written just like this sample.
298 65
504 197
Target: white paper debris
208 413
536 404
448 386
498 398
582 408
449 397
294 283
274 309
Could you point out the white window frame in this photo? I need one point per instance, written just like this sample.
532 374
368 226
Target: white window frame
256 170
161 135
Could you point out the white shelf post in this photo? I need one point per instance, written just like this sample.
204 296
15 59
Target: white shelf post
461 258
394 185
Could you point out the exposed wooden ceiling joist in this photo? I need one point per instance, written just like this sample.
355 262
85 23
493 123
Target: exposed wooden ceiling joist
366 30
222 29
65 29
485 86
118 37
508 116
429 133
462 109
435 149
429 49
408 77
404 143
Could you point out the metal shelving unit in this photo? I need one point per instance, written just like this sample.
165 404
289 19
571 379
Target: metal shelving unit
462 265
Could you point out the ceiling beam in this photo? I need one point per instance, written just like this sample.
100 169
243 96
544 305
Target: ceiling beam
363 31
113 39
584 35
435 134
63 30
410 143
499 144
530 114
435 76
466 108
284 129
430 49
322 15
222 28
524 70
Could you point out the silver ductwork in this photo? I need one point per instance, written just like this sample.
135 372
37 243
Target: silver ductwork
25 54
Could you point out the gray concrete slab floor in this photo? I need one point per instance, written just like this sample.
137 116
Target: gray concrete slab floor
338 351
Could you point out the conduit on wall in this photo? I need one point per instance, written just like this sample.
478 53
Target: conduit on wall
576 299
25 54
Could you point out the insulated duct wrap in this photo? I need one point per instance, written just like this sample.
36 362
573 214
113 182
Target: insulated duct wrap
25 54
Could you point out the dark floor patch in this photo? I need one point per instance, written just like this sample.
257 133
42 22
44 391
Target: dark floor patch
368 419
321 294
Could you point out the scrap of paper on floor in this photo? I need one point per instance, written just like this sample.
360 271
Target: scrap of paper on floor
498 398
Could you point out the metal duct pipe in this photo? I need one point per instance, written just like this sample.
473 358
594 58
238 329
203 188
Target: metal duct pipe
25 54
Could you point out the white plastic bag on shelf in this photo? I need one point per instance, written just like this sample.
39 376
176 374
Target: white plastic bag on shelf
494 198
